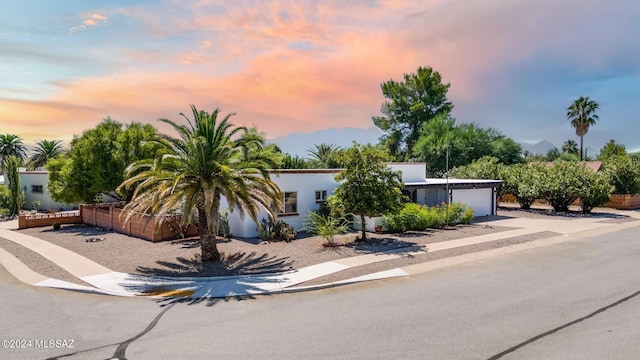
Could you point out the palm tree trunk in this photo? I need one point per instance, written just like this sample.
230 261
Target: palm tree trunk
208 242
581 152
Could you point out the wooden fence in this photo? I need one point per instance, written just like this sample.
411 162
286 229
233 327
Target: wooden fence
144 227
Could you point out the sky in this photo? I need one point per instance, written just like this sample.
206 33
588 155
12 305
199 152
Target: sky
304 65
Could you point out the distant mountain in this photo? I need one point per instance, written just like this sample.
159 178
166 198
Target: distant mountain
537 148
299 143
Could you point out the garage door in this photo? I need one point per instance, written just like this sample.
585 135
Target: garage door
480 200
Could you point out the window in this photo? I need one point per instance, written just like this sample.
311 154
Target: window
36 189
321 196
290 203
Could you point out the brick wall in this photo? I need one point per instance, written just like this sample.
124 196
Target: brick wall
624 202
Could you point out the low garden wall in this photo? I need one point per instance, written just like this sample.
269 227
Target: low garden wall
624 201
109 216
38 220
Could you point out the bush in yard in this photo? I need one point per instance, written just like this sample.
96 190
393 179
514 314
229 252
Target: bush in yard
624 174
563 184
276 231
224 229
467 216
419 217
5 196
326 226
524 181
596 190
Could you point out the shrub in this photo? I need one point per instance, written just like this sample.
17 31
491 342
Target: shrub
596 191
35 205
562 184
418 217
278 231
4 212
624 174
56 226
5 196
524 181
467 216
326 226
224 229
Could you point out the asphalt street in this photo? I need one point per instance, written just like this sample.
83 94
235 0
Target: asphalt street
575 300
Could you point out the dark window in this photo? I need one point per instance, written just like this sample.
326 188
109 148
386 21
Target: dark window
321 196
290 202
36 189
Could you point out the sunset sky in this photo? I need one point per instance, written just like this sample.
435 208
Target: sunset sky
304 65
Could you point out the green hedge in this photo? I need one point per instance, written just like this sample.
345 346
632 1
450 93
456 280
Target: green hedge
421 217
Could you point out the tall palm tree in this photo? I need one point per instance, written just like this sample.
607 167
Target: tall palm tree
570 147
209 160
582 115
43 151
11 145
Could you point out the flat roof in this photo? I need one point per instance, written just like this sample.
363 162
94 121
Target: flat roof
451 181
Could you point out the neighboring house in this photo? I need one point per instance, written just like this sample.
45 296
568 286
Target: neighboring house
34 184
304 189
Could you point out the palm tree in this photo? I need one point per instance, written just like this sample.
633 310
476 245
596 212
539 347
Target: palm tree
323 156
570 147
582 115
194 171
43 151
11 145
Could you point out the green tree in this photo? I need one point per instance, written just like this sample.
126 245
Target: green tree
96 162
596 190
368 187
570 147
624 174
563 184
582 114
409 105
324 156
208 161
11 145
525 182
611 149
465 143
43 151
553 154
11 164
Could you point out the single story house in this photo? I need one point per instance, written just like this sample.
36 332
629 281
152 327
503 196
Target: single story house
305 189
35 187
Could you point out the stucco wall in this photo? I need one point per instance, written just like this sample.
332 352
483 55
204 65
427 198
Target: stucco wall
30 178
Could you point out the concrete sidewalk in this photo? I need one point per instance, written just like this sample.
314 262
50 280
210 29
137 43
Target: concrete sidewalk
106 281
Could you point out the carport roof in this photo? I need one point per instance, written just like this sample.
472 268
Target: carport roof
462 183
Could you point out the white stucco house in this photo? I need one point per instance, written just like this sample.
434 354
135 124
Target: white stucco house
34 184
305 189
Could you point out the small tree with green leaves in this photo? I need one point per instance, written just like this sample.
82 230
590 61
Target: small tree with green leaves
524 181
368 187
563 184
596 190
624 174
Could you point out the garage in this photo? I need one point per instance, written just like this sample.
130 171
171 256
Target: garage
480 200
